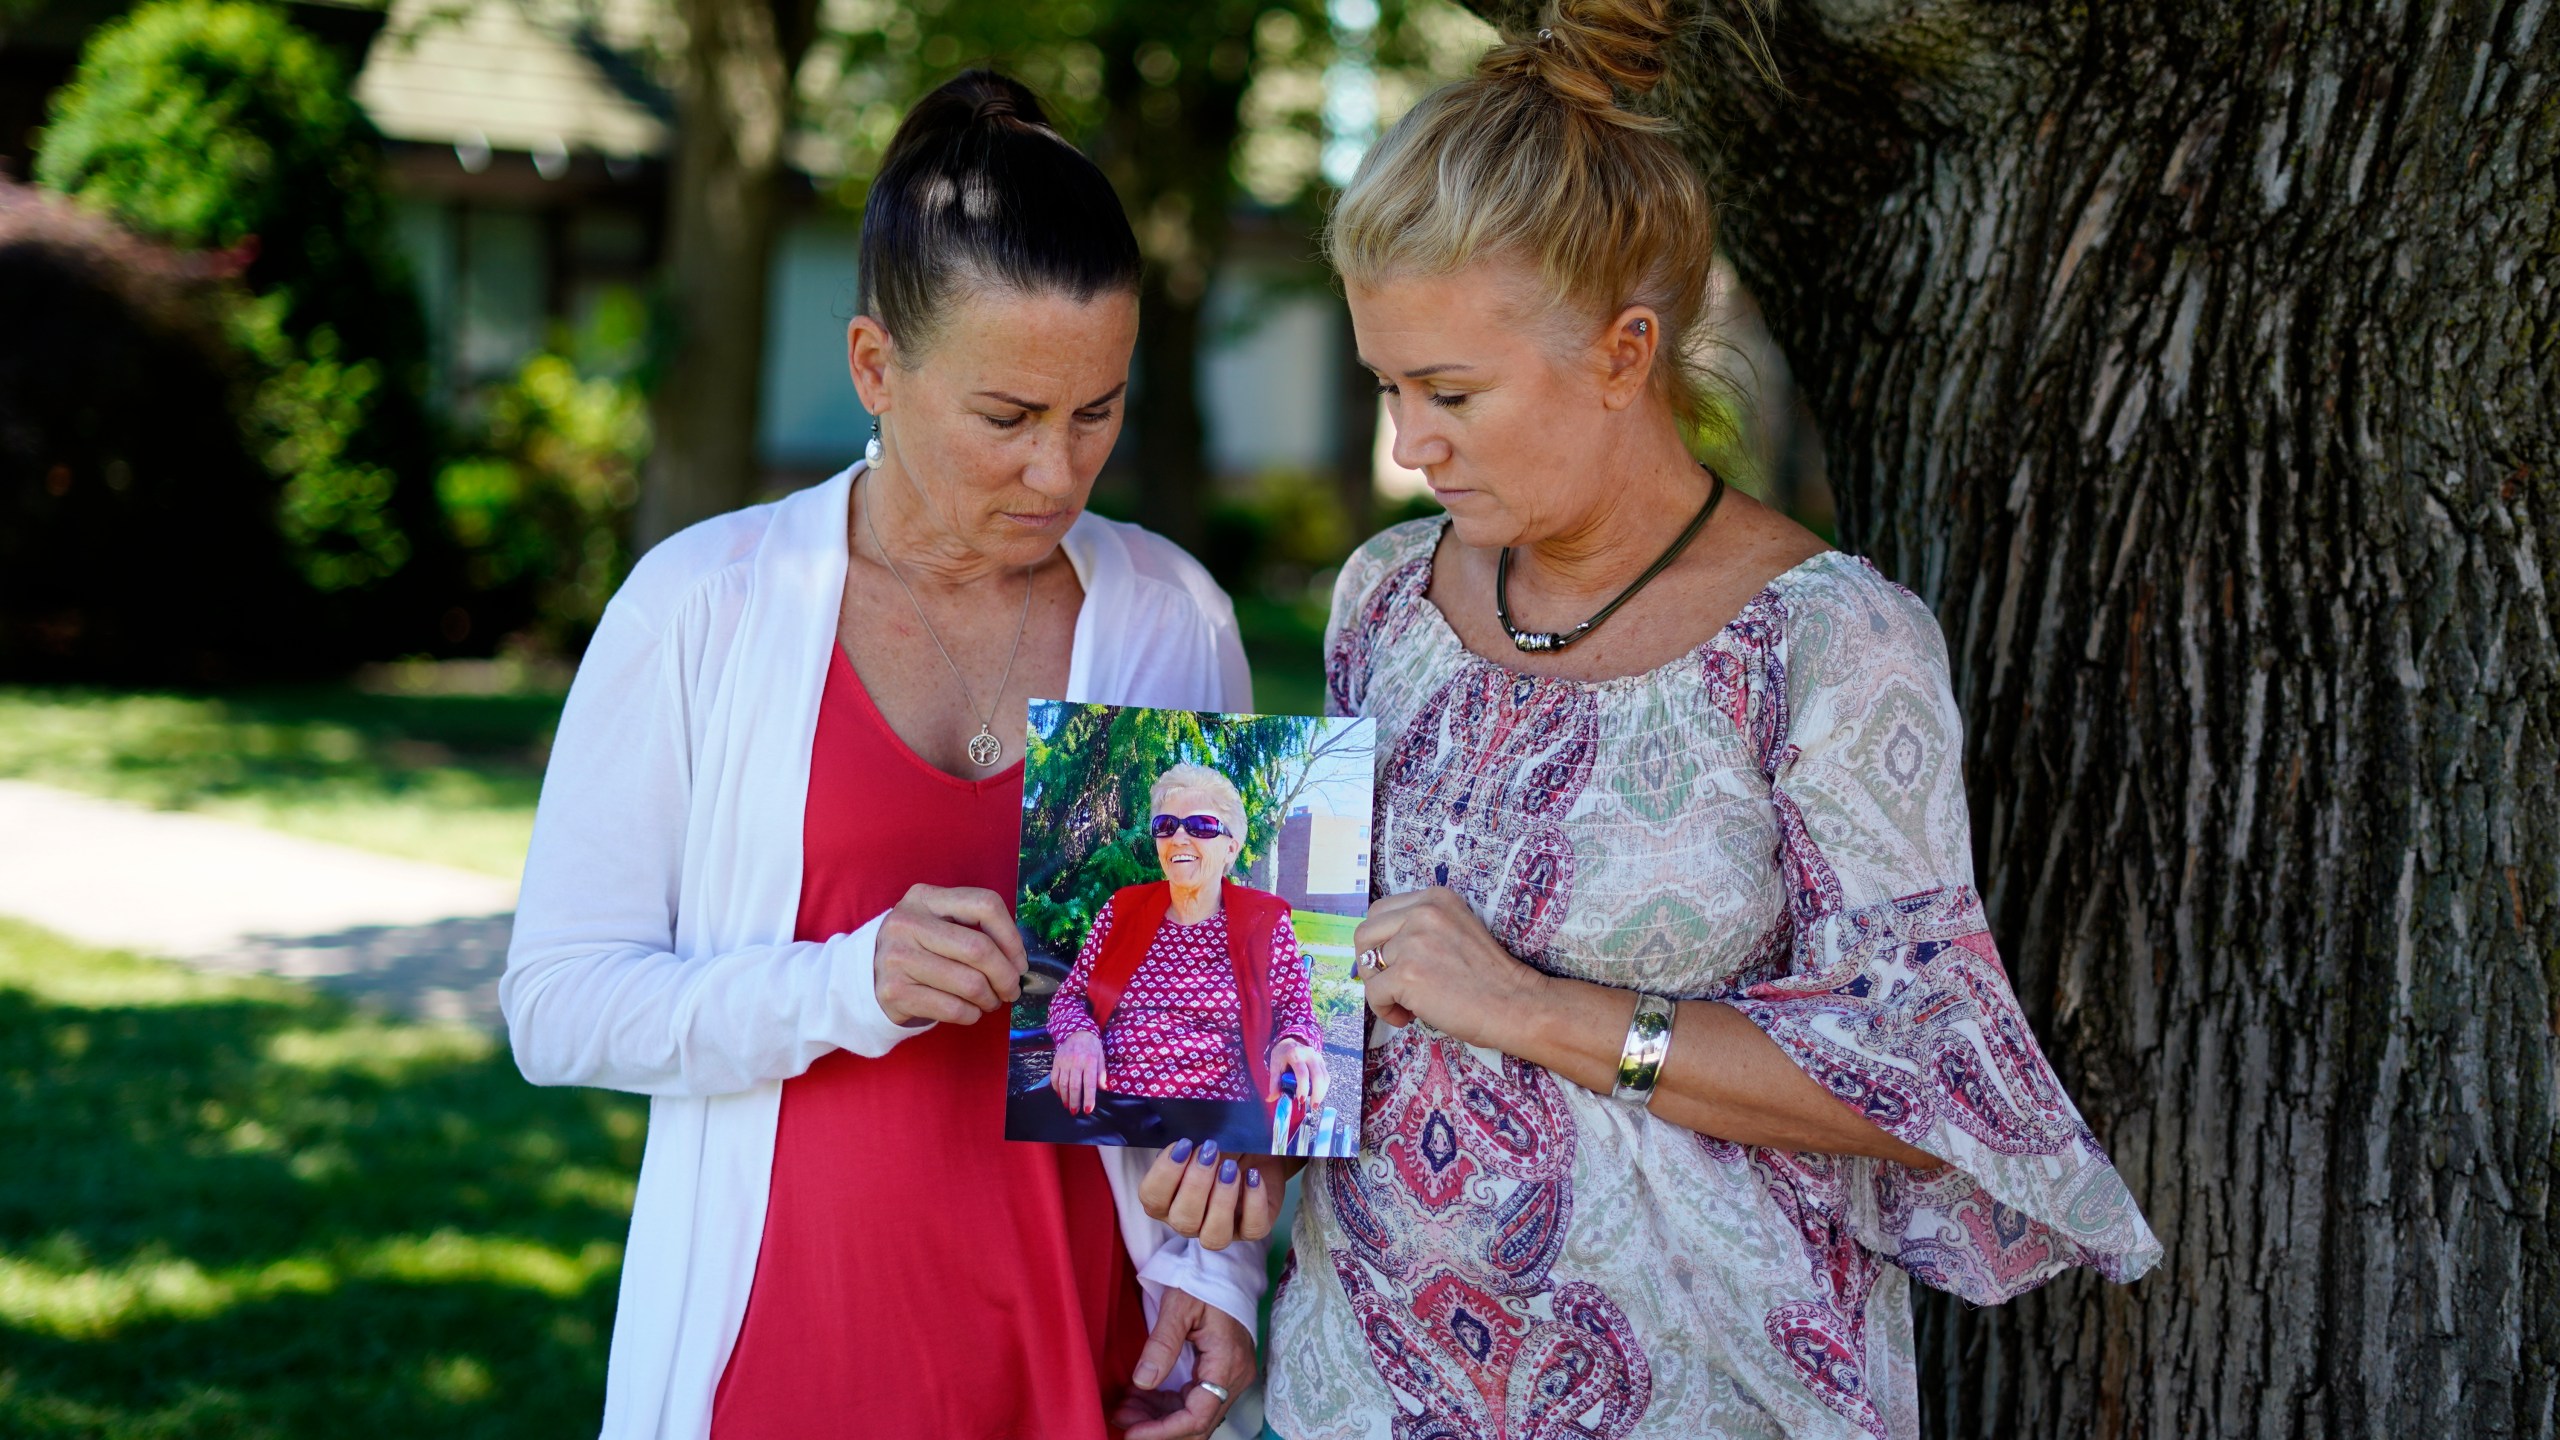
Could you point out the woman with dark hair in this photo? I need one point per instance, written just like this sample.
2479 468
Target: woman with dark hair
770 875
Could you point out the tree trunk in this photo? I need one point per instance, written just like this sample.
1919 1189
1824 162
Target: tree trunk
2198 364
1173 458
725 201
1173 76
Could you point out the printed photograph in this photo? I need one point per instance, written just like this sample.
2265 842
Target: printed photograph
1190 883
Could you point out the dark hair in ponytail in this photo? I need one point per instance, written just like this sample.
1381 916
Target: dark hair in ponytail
976 190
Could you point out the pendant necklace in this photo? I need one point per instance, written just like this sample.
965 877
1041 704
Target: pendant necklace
1537 642
984 748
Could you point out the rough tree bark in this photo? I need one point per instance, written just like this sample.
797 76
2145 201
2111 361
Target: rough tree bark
734 106
2200 364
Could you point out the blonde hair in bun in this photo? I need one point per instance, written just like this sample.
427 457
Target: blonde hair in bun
1536 160
1586 53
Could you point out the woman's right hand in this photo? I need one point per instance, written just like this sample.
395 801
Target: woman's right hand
1292 1057
1075 1072
1217 1198
948 956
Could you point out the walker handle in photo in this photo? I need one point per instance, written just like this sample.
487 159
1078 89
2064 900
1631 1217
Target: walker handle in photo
1281 1113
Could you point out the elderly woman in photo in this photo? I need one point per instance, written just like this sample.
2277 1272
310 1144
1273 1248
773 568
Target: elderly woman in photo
1189 1000
771 874
1704 1051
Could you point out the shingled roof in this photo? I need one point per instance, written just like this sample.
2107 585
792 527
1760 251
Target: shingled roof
546 77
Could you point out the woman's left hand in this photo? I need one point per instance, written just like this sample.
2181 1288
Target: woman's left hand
1221 1352
1440 965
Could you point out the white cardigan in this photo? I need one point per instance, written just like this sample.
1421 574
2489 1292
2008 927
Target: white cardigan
653 946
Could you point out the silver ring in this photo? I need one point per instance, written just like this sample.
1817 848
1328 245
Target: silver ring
1225 1396
1367 963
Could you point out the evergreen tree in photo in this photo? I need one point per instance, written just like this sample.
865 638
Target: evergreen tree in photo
1085 779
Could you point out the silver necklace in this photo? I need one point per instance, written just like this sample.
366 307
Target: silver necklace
984 748
1533 642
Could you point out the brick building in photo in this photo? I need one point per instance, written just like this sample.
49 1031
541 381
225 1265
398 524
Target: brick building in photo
1324 863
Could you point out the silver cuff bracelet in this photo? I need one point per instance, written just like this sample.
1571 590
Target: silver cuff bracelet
1648 1041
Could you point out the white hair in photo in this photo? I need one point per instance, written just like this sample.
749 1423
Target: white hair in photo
1200 779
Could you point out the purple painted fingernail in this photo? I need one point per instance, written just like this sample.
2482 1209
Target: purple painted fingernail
1180 1152
1253 1179
1227 1173
1208 1152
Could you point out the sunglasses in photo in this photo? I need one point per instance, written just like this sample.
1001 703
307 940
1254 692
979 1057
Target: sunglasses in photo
1199 827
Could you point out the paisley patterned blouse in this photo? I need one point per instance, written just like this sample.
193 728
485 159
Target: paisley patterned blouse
1776 820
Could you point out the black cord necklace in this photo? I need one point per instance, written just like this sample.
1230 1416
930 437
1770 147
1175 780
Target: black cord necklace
1536 642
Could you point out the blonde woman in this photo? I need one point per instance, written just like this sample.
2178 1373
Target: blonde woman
1701 1048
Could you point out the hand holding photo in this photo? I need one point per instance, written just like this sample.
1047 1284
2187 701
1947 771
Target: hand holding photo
1190 883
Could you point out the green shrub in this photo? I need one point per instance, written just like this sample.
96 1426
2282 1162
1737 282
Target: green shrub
543 508
137 534
1273 535
219 127
307 419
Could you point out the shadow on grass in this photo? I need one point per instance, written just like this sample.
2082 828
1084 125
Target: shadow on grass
232 1207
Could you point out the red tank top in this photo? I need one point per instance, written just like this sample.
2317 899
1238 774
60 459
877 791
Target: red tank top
921 1277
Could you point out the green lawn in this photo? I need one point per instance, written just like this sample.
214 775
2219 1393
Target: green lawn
233 1208
1317 928
449 778
442 777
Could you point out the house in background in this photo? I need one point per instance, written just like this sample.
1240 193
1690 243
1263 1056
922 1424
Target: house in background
529 173
523 164
528 166
527 153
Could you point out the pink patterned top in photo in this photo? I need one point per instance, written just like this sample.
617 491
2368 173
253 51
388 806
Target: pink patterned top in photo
1175 1035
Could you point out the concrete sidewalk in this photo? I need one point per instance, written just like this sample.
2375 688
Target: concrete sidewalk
419 940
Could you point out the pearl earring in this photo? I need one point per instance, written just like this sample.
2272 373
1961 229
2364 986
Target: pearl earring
871 448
